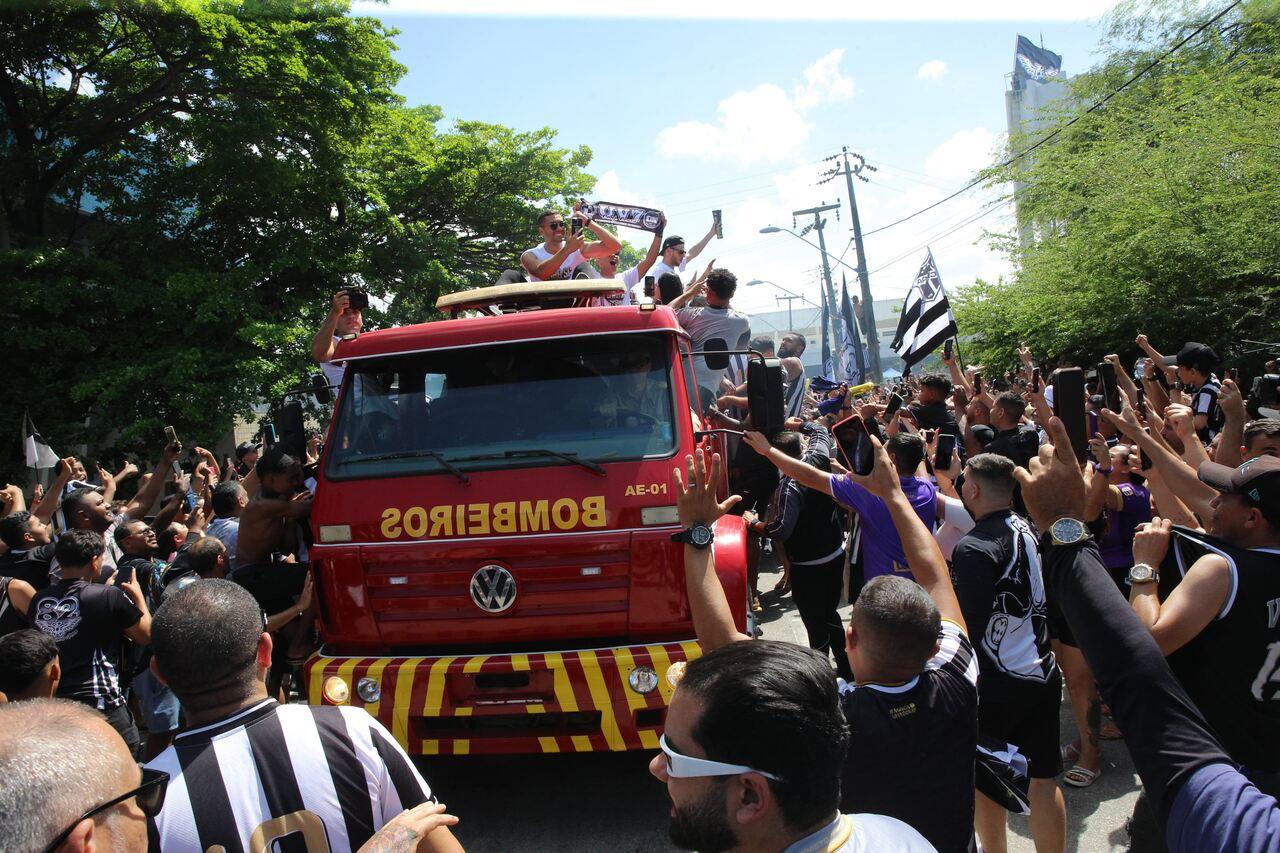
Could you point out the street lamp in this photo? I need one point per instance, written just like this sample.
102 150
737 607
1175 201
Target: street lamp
790 297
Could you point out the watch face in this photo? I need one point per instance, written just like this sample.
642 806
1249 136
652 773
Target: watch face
700 534
1067 530
1141 573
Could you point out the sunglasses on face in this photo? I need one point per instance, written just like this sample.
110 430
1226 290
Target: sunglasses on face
686 767
556 226
150 796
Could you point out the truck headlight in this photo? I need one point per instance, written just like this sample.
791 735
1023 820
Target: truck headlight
643 679
368 690
336 690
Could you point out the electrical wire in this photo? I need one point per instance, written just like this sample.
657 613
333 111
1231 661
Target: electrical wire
1053 134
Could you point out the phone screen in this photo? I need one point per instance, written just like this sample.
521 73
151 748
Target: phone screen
171 435
945 449
1068 405
977 383
946 349
855 445
895 403
1110 390
648 286
269 437
1035 379
576 224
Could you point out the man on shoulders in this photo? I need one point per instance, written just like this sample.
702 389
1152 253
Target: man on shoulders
560 252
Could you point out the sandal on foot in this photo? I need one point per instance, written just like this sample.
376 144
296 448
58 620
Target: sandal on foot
1081 777
1070 752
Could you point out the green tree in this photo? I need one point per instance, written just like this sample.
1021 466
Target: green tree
182 185
1154 213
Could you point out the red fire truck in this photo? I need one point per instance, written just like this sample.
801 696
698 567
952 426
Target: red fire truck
493 519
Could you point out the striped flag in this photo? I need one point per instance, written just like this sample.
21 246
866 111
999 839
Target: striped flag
828 365
853 362
926 319
39 454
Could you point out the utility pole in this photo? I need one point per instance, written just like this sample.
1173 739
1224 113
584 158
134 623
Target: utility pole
868 304
818 224
789 299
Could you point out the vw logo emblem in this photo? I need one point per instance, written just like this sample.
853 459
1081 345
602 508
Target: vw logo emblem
493 588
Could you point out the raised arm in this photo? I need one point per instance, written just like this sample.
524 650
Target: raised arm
48 504
701 244
1232 403
323 344
924 559
801 472
655 249
548 268
606 245
1123 380
150 490
712 619
1177 476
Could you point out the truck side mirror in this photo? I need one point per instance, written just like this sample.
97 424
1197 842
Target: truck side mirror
320 389
764 395
714 353
293 433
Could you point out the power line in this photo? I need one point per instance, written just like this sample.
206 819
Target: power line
1060 128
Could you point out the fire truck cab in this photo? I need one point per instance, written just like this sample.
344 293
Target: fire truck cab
493 524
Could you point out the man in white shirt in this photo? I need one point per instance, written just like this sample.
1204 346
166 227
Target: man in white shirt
674 259
714 320
562 252
343 319
608 266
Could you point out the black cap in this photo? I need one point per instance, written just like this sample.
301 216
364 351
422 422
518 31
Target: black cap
672 241
983 433
1257 481
245 447
1194 354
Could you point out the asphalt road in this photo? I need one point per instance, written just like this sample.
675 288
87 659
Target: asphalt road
610 802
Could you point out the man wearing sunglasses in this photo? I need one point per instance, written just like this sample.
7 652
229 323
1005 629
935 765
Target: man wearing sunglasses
562 252
70 783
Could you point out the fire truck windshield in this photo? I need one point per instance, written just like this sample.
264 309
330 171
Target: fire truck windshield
595 399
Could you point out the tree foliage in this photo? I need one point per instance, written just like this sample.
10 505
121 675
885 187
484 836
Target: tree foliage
183 184
1155 213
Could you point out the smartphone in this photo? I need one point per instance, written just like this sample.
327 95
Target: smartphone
895 403
170 435
946 349
575 224
854 443
977 383
715 216
1110 390
648 286
269 436
1142 402
1035 379
1143 459
1068 405
945 449
1230 373
191 501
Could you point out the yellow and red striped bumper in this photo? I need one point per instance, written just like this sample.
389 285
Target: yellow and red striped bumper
573 701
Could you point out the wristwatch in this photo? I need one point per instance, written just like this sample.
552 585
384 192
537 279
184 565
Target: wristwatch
1068 531
699 536
1142 573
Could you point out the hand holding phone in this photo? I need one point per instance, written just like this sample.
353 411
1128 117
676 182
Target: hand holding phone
895 403
1068 406
943 455
854 443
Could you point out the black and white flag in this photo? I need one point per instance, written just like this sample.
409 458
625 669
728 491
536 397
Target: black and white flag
926 319
630 215
38 453
1035 63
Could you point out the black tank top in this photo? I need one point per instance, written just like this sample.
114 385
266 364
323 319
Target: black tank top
10 619
1231 669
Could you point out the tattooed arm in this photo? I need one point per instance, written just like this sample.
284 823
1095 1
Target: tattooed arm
423 828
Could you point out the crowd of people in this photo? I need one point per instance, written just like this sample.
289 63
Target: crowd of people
990 563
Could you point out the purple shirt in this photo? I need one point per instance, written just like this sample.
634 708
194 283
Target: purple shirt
1116 546
881 548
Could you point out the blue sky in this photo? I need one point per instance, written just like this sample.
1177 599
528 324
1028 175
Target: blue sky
691 115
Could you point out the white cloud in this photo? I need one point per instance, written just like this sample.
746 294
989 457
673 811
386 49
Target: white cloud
757 10
934 69
609 188
760 124
964 153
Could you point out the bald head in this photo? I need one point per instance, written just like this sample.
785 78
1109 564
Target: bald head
58 759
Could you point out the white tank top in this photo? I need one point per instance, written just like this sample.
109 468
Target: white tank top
566 268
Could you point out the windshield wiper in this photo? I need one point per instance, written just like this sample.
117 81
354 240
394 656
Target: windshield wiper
416 454
512 454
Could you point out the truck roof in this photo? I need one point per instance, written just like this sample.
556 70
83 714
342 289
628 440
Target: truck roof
522 326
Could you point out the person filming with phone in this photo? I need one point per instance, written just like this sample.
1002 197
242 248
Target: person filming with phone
565 246
345 320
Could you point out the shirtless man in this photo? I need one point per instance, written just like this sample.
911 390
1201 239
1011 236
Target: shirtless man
265 561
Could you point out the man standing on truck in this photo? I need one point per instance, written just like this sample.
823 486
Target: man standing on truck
608 265
715 321
562 252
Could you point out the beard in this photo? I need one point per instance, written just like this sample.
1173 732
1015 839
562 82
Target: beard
702 825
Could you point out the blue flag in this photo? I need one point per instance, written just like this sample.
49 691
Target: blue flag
853 362
828 365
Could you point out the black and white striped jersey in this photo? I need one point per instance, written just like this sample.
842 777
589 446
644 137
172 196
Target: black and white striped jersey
283 777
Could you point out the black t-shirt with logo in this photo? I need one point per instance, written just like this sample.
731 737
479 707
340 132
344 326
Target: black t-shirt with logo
88 622
911 746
